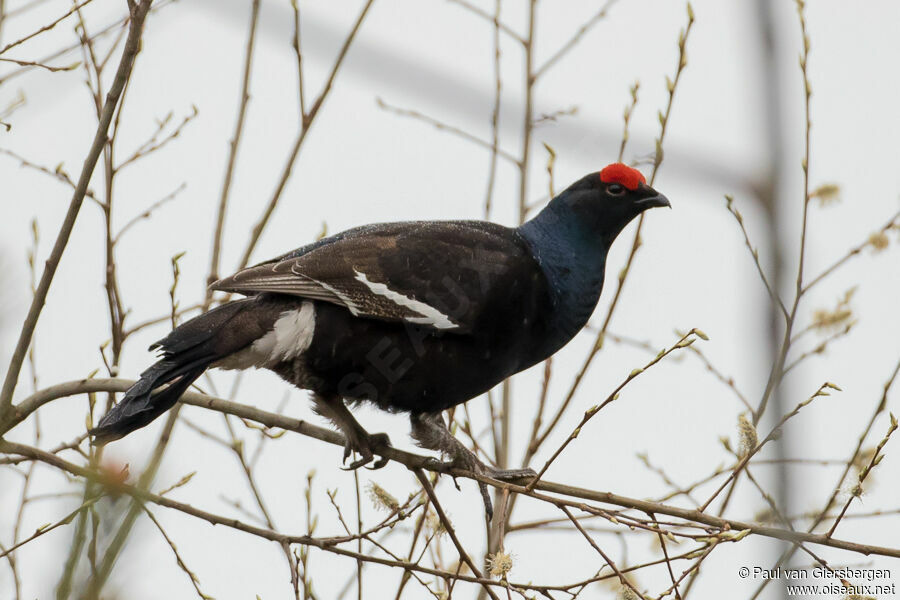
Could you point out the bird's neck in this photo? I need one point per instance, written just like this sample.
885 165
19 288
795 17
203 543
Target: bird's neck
573 260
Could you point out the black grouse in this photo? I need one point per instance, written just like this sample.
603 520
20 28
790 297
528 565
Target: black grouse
413 317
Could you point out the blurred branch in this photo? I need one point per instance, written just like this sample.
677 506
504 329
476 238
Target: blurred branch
892 223
96 583
488 17
495 113
298 53
626 118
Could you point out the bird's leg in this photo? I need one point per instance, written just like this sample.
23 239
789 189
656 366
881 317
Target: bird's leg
430 431
357 438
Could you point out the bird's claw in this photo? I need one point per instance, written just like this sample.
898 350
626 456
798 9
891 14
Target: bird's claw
367 446
471 463
357 463
380 463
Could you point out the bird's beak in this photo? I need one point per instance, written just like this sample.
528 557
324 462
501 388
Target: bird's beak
653 201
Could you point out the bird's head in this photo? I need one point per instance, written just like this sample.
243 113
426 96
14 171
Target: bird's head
605 202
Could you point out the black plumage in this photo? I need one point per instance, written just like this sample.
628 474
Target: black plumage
414 317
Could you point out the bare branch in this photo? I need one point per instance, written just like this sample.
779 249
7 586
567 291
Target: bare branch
306 122
573 41
123 73
232 155
48 27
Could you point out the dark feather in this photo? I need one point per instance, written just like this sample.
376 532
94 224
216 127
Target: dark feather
186 352
141 404
433 274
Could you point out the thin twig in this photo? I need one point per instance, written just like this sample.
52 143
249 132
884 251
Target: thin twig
52 69
232 155
154 143
448 527
488 17
146 214
305 124
573 41
626 118
622 579
773 434
857 489
48 528
49 26
773 294
495 114
892 223
194 580
441 126
685 341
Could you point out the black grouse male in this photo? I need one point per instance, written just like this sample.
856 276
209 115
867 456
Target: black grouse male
414 317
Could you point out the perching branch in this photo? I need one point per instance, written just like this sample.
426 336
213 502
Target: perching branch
408 459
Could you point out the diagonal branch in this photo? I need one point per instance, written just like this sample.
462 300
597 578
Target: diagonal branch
463 555
306 122
232 156
573 41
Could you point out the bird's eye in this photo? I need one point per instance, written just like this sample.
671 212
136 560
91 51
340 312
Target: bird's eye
615 189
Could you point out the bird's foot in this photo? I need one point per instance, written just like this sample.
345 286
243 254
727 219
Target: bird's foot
509 474
430 430
367 445
472 463
494 473
463 458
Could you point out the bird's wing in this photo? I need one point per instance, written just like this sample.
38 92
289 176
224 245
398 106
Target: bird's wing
441 275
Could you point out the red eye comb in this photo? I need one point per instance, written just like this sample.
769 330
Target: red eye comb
621 173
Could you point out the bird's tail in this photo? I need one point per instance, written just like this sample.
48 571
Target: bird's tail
186 352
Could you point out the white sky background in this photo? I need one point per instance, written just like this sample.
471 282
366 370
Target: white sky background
361 164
